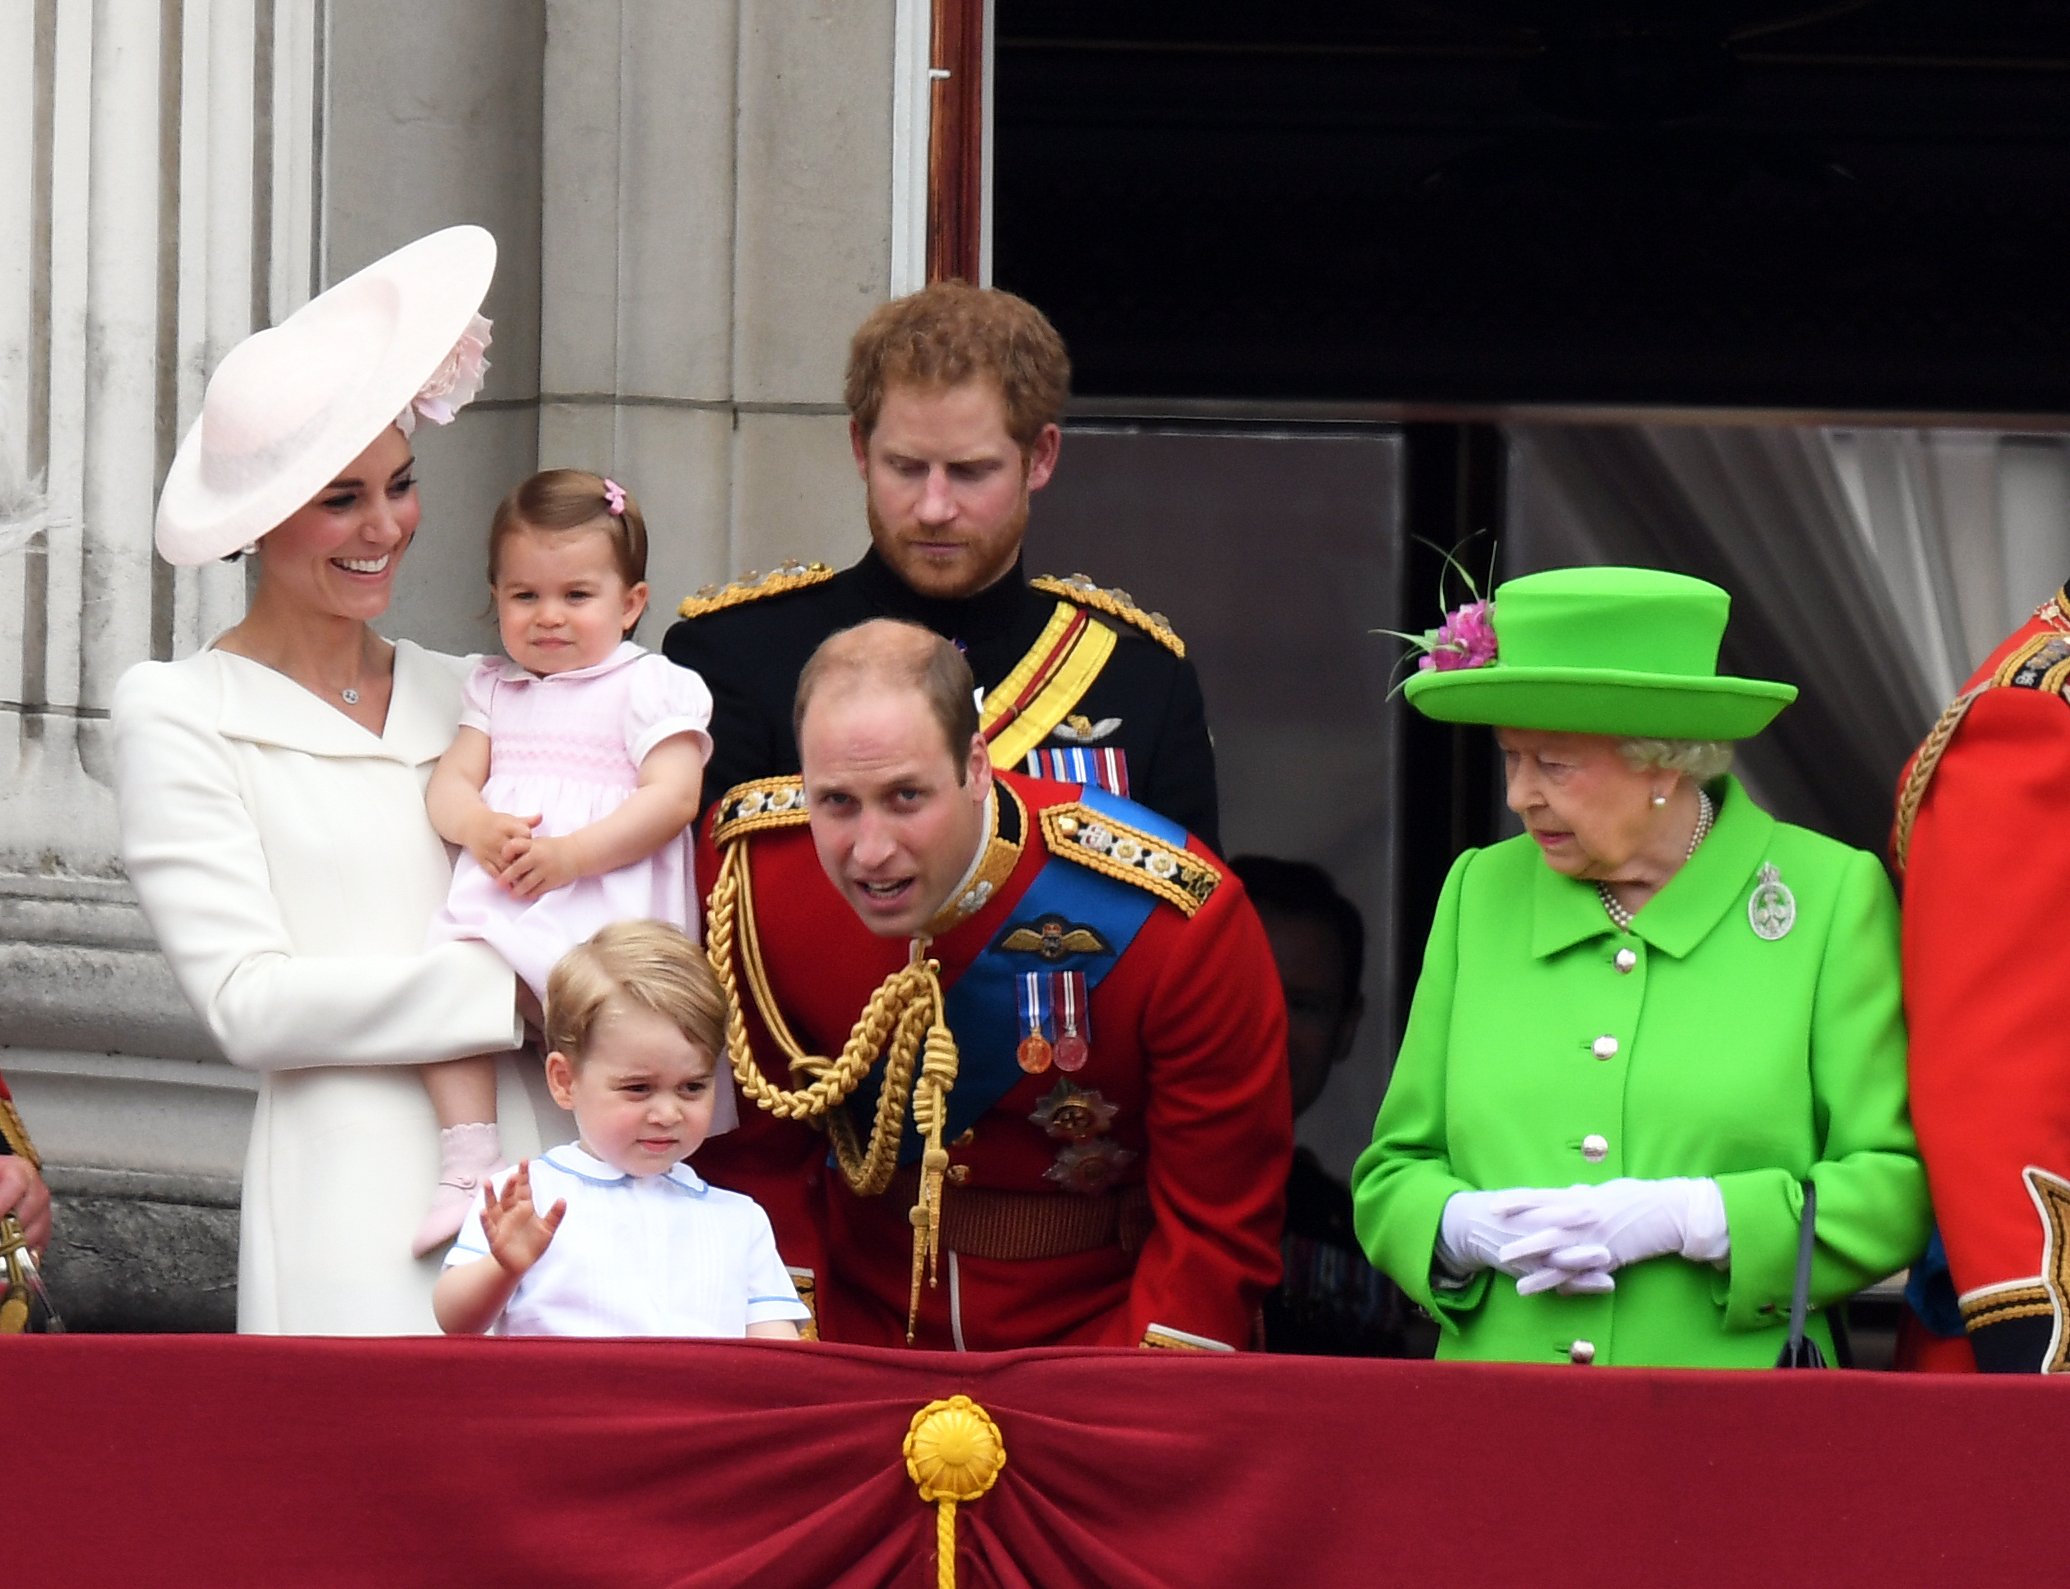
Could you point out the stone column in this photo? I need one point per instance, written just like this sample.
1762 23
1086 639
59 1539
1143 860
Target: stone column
433 117
695 203
718 217
127 162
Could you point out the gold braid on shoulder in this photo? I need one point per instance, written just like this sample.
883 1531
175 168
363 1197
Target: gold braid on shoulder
903 1021
2040 662
1924 762
1080 589
754 585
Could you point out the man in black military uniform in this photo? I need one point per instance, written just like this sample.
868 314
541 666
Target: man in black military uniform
954 395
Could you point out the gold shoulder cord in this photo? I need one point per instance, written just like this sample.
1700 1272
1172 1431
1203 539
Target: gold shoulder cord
1913 794
903 1021
2054 679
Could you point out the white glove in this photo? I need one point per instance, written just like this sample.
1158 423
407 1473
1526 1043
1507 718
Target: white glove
1477 1230
1597 1229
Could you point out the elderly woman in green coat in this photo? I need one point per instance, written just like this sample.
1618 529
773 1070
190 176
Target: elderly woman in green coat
1646 1024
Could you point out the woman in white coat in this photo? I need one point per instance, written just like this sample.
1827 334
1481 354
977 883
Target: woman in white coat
271 791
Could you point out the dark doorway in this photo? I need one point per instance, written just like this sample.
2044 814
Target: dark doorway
1804 204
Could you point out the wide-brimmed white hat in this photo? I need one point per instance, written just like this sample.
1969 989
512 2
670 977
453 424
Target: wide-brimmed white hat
291 406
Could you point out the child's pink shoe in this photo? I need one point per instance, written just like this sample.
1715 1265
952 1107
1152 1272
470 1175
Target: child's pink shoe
468 1156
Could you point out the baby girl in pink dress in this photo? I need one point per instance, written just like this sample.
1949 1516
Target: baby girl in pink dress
572 783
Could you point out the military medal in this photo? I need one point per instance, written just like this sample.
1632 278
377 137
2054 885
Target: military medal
1772 908
1034 1053
1068 990
1072 1114
1089 1160
1090 1166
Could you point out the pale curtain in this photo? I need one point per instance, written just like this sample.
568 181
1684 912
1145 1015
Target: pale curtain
1872 568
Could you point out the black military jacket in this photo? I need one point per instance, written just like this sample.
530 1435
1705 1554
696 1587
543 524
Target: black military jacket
751 640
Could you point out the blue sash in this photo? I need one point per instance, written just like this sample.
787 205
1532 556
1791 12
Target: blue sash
981 1005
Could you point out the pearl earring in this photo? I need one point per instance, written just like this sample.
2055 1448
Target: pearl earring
1659 800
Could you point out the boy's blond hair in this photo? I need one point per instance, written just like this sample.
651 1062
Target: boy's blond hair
651 966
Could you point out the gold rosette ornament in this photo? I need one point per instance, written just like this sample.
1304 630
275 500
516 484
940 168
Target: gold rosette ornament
953 1453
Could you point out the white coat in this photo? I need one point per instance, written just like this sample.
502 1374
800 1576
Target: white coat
287 866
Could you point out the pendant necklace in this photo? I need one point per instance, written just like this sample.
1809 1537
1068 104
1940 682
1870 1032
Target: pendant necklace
350 693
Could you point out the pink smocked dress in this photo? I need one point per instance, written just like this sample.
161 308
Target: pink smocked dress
569 746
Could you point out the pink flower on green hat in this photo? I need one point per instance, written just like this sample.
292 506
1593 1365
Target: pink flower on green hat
1466 639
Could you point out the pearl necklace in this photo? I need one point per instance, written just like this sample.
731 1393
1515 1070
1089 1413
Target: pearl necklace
1614 908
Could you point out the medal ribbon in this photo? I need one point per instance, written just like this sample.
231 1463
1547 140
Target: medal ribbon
1099 766
982 1001
1074 1019
1035 1001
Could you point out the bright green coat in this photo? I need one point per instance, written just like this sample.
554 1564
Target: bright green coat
1757 1062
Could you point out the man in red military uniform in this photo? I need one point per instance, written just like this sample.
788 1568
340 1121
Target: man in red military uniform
1106 1161
1985 852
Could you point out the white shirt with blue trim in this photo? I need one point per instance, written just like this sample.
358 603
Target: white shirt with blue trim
640 1255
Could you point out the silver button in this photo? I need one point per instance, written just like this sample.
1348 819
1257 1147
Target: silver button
1604 1047
1594 1148
1582 1352
1625 962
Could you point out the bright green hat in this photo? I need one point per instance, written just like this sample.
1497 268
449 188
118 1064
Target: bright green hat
1625 651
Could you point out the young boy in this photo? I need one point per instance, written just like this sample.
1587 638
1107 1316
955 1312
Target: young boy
635 1020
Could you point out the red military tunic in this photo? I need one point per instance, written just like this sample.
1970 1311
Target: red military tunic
1986 866
1187 1049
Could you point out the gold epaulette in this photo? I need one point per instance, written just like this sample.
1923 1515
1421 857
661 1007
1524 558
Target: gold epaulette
1115 604
766 803
1177 876
2043 663
790 575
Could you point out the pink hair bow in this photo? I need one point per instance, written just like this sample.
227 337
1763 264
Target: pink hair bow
614 498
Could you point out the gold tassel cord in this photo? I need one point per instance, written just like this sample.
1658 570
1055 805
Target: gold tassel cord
1924 761
903 1021
954 1453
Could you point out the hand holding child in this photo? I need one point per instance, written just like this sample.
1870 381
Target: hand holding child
518 1235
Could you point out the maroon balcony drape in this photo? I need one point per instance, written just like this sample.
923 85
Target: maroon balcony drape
214 1460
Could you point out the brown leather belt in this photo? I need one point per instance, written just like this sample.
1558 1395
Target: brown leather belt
980 1223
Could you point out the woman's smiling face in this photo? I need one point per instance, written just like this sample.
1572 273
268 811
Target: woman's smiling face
337 554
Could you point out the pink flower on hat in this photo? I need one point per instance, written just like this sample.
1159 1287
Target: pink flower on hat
454 384
1466 639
